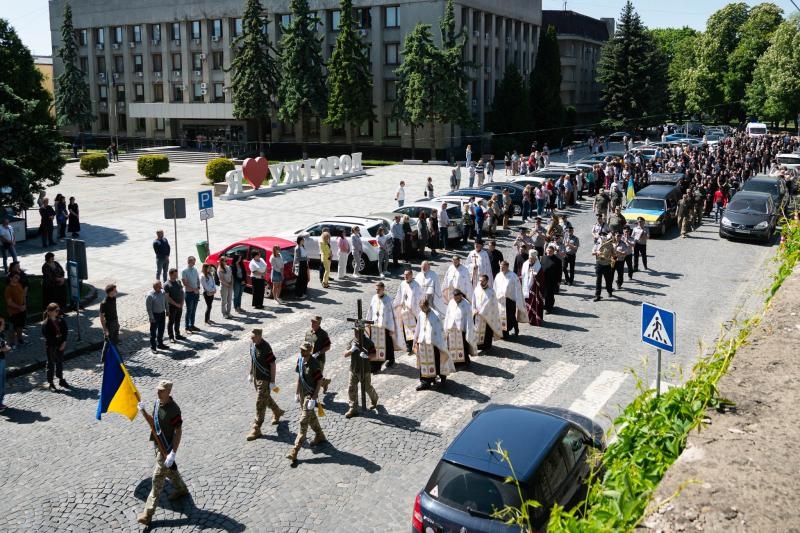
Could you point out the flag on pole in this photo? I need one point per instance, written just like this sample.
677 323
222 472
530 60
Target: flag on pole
118 394
631 193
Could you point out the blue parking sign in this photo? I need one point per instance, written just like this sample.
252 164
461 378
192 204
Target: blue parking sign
205 199
658 327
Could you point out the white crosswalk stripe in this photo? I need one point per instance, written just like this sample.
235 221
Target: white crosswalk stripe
541 389
597 394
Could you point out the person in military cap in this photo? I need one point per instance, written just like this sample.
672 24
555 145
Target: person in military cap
360 354
309 383
167 423
603 251
262 375
321 343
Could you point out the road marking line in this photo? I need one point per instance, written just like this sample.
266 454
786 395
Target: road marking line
597 394
541 389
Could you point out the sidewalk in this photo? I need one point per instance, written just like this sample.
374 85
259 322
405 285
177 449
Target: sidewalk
739 472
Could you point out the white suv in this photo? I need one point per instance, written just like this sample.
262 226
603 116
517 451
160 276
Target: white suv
339 225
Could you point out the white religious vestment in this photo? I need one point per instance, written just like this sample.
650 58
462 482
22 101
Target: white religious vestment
456 278
477 265
406 308
432 289
429 335
507 285
457 321
485 309
381 313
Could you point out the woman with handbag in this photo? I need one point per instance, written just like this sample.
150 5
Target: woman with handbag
300 267
209 286
276 273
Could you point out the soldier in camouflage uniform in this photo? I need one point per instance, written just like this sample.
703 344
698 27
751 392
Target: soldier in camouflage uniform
683 214
699 204
309 383
321 343
360 366
166 418
262 374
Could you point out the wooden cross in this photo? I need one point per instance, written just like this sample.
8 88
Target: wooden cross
360 325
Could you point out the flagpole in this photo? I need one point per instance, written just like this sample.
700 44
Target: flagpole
149 420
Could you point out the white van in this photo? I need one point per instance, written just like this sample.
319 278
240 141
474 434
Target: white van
756 129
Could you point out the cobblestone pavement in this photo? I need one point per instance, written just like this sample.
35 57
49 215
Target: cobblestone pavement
63 470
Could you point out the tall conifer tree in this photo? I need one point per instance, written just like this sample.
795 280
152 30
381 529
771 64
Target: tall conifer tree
73 104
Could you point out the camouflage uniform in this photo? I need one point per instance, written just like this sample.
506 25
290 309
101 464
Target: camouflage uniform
261 361
309 382
360 366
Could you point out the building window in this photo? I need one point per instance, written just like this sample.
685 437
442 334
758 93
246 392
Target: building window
83 37
118 35
101 65
156 58
158 92
176 31
119 64
216 29
102 93
100 35
155 31
177 93
176 62
138 92
120 93
336 19
122 122
237 27
216 60
197 61
198 92
141 124
287 128
136 33
363 17
365 129
104 121
138 64
390 90
84 63
392 128
313 127
392 53
285 21
196 29
160 124
219 92
391 16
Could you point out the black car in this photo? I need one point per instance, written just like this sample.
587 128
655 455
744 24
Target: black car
749 215
773 185
514 189
549 448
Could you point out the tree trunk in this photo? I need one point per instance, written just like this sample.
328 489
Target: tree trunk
353 131
260 136
413 142
304 134
433 140
452 157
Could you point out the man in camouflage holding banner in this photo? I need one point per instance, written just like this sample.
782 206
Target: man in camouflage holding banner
262 375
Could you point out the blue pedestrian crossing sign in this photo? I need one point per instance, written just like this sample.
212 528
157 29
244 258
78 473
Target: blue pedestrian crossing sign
658 327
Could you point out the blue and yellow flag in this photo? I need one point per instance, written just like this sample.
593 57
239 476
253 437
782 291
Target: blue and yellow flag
631 193
118 394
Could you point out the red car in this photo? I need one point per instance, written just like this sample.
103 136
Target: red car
262 245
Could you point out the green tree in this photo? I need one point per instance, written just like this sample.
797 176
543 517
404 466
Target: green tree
631 69
547 110
349 77
455 78
73 104
302 90
755 33
509 112
29 153
418 83
775 90
677 46
254 78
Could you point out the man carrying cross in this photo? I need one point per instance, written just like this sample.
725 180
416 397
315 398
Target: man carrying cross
360 350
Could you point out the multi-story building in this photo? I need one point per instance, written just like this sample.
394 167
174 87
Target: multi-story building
580 39
45 66
160 71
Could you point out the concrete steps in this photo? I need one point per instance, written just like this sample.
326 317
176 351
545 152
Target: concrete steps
176 155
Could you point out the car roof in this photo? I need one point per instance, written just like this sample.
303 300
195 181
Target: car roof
511 426
352 220
433 204
266 242
751 194
658 192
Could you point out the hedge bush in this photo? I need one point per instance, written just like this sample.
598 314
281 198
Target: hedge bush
94 163
217 168
152 166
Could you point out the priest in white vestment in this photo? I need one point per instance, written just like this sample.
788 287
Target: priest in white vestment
487 316
459 328
433 359
406 308
510 301
428 279
382 332
456 277
478 264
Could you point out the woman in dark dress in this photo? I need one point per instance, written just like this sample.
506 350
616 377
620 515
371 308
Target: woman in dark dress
54 331
60 205
74 219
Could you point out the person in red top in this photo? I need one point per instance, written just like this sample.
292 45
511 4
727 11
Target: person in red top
720 201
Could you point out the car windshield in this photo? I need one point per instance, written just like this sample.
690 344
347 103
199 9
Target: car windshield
373 230
646 204
748 205
758 131
287 254
468 490
788 160
770 187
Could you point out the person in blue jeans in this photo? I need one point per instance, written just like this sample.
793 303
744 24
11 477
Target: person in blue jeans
191 285
239 275
4 347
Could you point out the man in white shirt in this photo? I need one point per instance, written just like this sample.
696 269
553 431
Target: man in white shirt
444 222
400 195
8 243
258 271
191 285
640 235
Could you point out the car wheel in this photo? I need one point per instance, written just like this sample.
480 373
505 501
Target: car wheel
364 264
662 228
721 235
268 291
517 210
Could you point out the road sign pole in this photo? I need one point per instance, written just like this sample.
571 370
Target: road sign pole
175 230
658 374
208 243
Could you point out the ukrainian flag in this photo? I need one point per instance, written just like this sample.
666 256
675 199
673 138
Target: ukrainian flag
631 193
118 394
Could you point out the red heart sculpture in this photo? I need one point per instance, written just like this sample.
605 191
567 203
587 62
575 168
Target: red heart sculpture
255 170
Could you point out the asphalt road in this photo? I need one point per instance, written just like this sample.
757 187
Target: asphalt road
62 469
